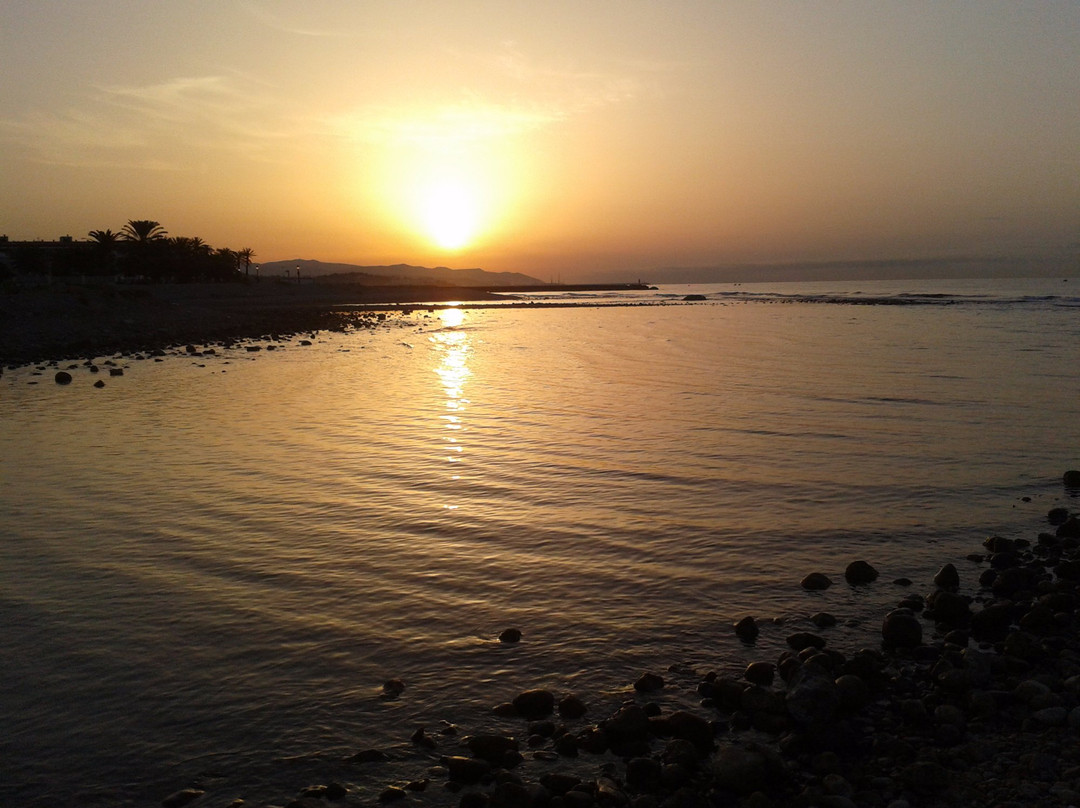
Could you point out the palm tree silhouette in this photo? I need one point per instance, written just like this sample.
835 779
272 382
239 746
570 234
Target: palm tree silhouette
143 230
106 246
246 255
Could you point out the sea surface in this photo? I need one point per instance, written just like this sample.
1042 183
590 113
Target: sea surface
209 567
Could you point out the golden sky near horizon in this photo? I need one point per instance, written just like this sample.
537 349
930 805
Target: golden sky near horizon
548 138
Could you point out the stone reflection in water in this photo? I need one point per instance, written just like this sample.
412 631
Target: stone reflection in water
453 371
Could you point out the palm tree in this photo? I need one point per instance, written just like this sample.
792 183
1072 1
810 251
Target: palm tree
143 230
106 238
246 255
106 246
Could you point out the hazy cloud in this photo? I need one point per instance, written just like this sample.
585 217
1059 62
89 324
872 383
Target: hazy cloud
141 126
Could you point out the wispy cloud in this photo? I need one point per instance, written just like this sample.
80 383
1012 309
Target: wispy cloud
148 126
447 127
280 23
556 93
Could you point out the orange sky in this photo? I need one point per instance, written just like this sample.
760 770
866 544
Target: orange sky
563 137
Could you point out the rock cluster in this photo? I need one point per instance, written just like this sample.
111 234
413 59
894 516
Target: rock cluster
968 700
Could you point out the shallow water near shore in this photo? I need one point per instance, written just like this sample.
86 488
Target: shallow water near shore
211 565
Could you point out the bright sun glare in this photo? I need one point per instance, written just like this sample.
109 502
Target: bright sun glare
449 211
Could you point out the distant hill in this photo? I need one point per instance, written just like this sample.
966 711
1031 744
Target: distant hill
398 274
880 269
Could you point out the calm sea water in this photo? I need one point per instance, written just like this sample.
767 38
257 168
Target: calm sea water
209 567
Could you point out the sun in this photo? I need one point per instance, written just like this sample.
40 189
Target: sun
449 212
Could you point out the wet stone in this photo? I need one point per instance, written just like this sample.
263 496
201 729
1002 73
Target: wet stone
572 707
747 629
947 577
803 639
859 573
465 769
815 582
760 673
534 703
901 629
649 683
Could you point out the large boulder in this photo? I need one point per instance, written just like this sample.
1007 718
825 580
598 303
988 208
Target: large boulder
534 703
901 629
859 573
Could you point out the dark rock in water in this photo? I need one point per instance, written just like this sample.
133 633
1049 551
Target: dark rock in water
760 673
1072 478
1069 530
695 297
191 349
816 581
181 798
804 639
335 791
572 707
746 629
901 629
823 620
392 688
465 769
949 608
997 544
305 342
649 683
492 748
116 371
1004 560
689 727
947 577
859 573
421 738
368 756
534 703
628 724
392 794
902 581
1008 582
62 377
1057 516
510 635
913 603
99 384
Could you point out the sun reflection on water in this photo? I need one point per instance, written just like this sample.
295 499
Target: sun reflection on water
453 372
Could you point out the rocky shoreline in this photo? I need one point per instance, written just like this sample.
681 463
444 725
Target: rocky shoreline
968 700
69 321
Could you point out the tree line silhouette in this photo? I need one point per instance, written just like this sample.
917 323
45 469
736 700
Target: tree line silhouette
141 251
